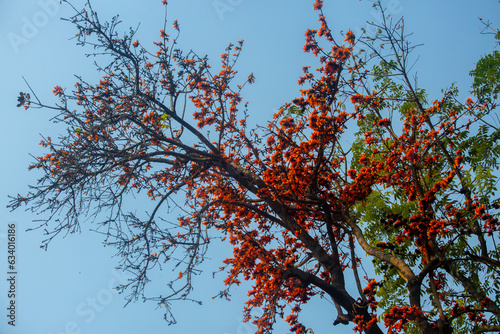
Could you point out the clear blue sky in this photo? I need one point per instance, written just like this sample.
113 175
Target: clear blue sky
68 288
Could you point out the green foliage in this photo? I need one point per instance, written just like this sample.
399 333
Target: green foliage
487 76
165 119
295 111
480 146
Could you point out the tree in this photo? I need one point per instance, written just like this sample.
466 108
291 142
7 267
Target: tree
301 207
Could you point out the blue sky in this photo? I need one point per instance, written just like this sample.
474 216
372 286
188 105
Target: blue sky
68 289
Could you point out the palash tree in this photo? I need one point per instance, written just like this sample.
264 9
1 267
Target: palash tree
414 193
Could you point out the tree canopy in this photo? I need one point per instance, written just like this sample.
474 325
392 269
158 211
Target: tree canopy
362 169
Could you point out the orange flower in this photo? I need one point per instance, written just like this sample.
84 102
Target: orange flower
58 91
318 5
349 37
384 122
